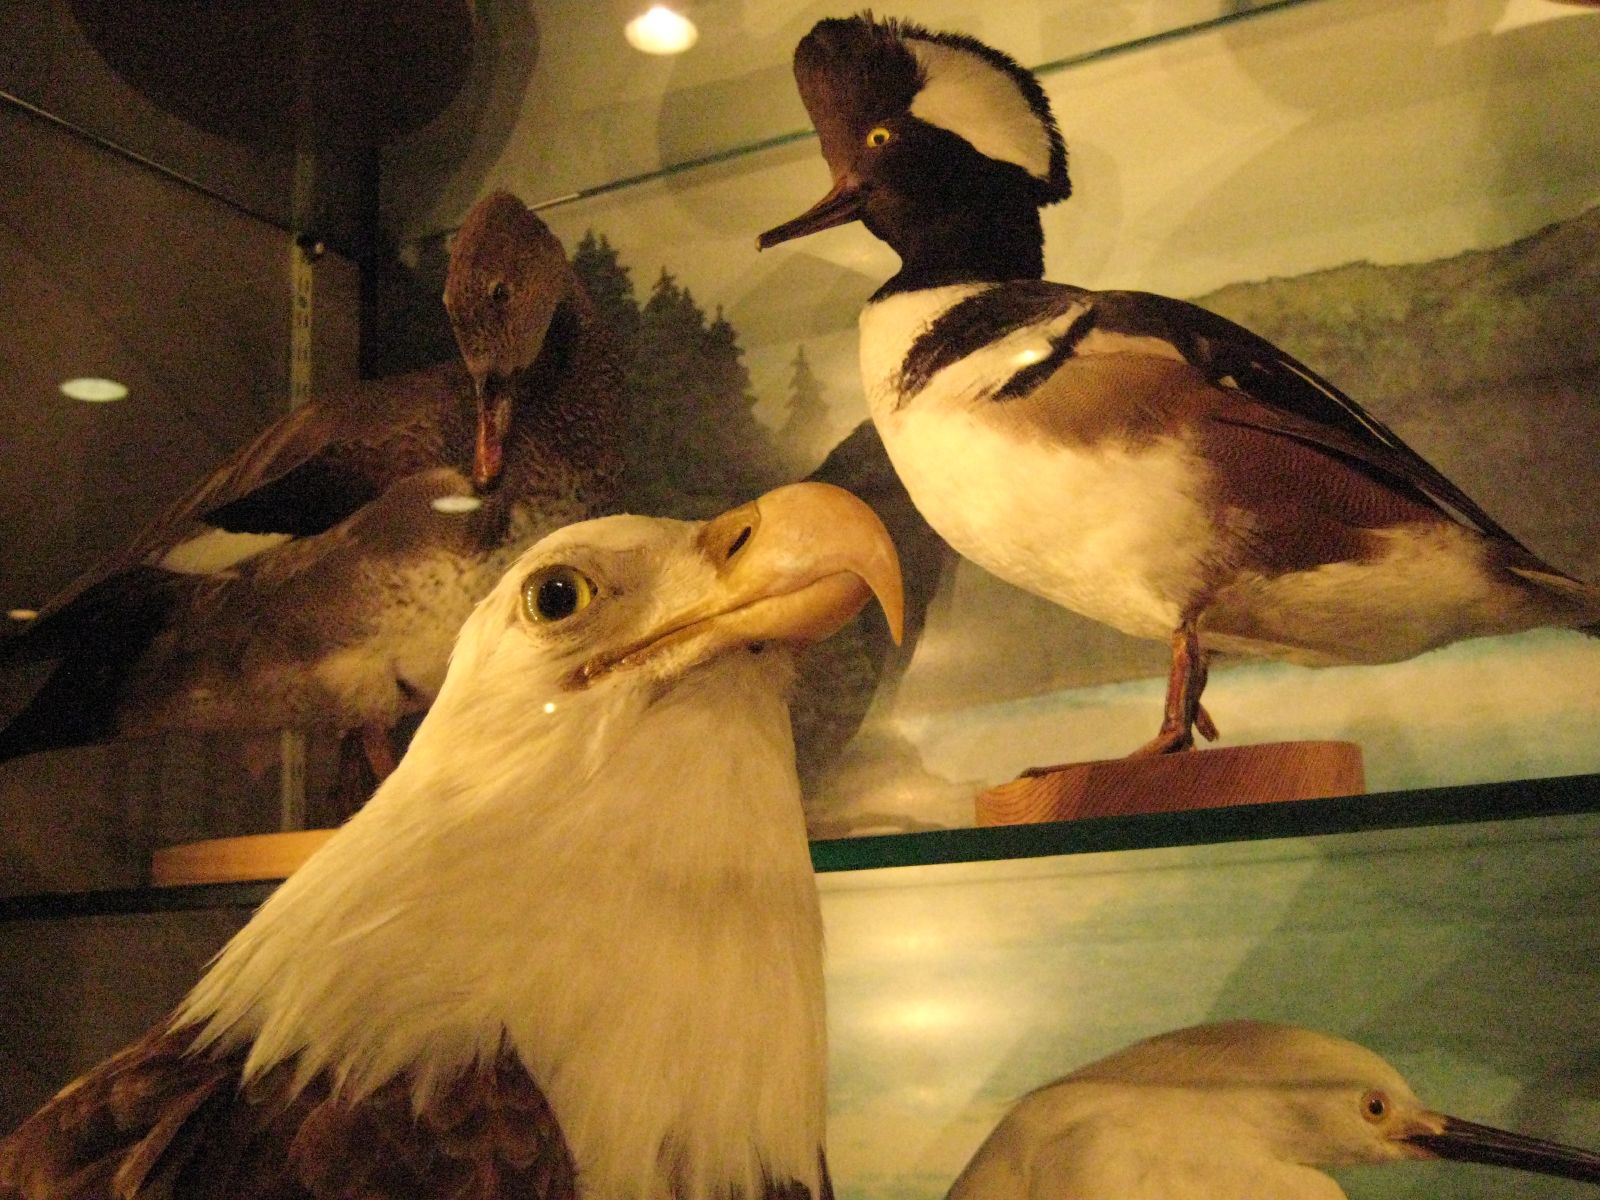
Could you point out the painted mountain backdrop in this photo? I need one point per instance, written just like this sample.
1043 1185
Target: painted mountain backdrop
1487 362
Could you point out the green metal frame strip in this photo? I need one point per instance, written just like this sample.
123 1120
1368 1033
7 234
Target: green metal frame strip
1516 800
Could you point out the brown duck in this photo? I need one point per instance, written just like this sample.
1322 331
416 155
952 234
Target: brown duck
318 577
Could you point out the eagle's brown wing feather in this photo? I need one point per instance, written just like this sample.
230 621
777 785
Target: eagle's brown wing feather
116 1121
159 1123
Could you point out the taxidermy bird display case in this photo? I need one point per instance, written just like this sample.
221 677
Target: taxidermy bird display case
1238 159
1404 196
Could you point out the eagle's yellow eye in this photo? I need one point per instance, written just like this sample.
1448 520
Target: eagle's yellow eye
555 593
878 136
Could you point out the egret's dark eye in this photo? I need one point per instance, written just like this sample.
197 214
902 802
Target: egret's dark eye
879 135
1374 1106
555 593
499 292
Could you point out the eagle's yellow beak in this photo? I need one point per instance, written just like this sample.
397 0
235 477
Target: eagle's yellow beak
791 567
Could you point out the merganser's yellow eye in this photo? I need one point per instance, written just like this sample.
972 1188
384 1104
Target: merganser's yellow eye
878 136
555 593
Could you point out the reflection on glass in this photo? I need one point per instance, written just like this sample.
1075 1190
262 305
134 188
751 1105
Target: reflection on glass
94 389
659 30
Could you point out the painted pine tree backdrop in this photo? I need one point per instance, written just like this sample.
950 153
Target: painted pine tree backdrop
695 444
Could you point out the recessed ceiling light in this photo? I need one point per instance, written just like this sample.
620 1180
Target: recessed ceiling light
455 505
659 30
94 390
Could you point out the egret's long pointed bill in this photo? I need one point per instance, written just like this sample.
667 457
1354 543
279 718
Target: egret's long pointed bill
792 567
1466 1141
839 207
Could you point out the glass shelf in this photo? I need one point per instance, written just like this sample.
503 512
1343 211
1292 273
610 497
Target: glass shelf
248 106
673 115
1424 808
1463 950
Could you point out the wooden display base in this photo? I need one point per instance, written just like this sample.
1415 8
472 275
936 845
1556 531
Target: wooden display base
1177 782
235 859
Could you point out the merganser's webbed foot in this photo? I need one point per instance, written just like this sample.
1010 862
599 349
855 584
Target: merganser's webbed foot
1184 713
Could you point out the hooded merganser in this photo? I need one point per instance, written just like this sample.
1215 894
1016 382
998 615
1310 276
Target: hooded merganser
1137 459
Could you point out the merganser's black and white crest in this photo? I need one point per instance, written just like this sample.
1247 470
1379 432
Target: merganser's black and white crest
902 111
573 945
1134 458
878 71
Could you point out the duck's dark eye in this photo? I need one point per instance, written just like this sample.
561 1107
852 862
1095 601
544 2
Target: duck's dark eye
499 292
555 593
1374 1106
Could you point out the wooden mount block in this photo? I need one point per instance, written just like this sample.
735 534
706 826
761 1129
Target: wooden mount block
1177 782
235 859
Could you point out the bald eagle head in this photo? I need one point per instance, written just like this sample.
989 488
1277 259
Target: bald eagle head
617 615
593 854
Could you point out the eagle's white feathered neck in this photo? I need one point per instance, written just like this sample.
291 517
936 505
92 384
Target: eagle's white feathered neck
621 888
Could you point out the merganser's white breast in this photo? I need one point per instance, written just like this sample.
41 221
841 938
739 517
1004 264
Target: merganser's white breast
1114 530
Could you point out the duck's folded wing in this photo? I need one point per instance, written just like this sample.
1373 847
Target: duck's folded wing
1070 388
1289 398
323 461
306 473
320 462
